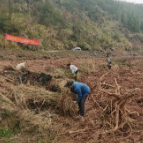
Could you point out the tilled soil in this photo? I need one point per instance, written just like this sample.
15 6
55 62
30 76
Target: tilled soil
123 79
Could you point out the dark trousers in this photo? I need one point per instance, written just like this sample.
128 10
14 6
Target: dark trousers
109 66
81 104
76 75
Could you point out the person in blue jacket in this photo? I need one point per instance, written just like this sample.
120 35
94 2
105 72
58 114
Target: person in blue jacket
82 90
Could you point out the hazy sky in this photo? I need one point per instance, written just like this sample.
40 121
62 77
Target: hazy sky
134 1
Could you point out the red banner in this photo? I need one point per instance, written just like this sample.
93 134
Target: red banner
21 40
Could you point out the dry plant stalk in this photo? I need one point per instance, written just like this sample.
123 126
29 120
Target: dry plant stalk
118 113
67 107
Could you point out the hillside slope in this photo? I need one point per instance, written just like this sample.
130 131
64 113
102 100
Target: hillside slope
58 24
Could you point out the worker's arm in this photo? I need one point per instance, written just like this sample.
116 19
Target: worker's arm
72 70
79 95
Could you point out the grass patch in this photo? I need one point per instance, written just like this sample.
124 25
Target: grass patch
5 132
123 62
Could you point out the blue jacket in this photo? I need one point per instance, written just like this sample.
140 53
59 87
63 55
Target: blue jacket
80 89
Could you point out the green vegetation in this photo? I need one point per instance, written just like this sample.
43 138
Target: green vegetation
5 132
122 62
57 24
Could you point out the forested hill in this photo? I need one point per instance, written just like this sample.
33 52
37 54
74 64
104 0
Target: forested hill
101 25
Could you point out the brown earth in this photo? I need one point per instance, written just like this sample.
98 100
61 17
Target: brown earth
114 108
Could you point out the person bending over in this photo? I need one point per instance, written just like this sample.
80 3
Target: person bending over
73 69
82 90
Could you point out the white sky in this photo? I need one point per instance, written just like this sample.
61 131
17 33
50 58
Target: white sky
134 1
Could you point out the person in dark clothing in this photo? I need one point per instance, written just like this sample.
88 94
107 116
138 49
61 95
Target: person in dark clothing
109 63
82 90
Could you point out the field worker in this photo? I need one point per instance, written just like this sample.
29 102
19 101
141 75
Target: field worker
109 63
73 69
82 90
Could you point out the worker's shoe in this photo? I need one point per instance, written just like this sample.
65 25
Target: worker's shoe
81 118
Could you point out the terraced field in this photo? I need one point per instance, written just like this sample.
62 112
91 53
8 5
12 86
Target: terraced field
33 112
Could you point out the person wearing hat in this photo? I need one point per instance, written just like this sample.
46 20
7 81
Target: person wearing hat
73 69
82 90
